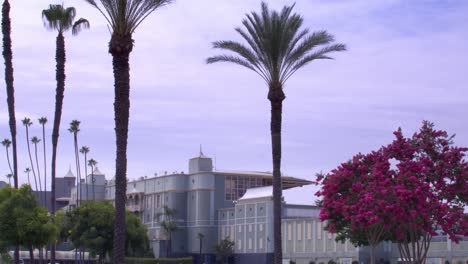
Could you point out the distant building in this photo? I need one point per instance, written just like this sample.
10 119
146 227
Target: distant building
3 184
238 205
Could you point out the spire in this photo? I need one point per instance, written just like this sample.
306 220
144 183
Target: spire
201 151
69 173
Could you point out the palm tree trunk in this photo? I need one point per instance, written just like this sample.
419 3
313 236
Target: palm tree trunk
9 163
45 166
92 182
276 97
120 48
8 56
30 157
78 174
38 171
86 176
60 76
31 254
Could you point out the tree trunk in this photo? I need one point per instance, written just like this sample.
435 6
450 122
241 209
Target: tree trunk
60 76
9 163
276 97
120 48
86 176
38 173
45 167
8 56
78 174
30 157
31 254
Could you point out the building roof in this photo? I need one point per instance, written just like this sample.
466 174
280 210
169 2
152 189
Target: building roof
69 174
287 181
97 172
298 196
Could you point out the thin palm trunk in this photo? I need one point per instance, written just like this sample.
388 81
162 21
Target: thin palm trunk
276 97
38 171
30 157
31 254
29 181
92 182
86 175
60 76
120 48
45 166
8 159
78 173
9 180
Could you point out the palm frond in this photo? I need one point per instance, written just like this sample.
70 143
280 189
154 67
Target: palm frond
236 60
124 17
79 25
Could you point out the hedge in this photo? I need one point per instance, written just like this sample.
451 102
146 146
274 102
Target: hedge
159 260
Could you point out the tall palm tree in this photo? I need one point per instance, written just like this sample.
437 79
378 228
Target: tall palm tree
27 123
9 175
85 150
6 143
123 16
276 48
74 129
9 79
60 19
8 56
92 163
35 140
27 171
43 121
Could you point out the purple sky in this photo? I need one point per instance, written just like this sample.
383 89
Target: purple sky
406 63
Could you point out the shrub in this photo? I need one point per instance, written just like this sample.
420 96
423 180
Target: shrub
331 261
311 262
355 262
292 262
159 260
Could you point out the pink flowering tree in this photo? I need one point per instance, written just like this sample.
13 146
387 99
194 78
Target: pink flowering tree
358 200
431 183
406 192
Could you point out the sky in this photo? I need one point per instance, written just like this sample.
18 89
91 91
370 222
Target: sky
406 62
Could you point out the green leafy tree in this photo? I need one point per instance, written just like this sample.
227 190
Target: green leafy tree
27 224
276 48
223 250
123 18
91 226
60 19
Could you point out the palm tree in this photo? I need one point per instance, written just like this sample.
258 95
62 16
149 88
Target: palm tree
35 140
8 56
169 226
9 175
74 129
6 143
27 171
27 123
60 19
43 121
85 150
92 163
123 16
276 48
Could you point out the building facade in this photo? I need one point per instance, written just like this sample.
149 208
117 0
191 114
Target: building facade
238 206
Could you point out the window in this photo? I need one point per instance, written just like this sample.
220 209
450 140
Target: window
250 228
260 244
235 186
239 244
158 201
222 232
329 235
309 231
250 243
231 229
319 230
148 201
239 228
289 232
260 227
299 232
